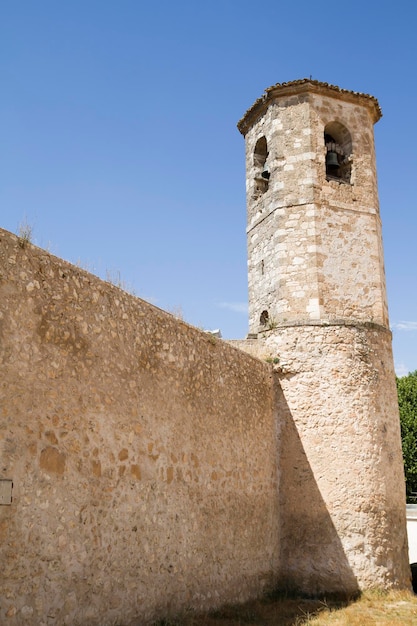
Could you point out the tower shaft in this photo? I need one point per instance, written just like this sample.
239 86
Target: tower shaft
317 304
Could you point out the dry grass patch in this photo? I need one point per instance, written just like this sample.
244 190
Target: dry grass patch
374 608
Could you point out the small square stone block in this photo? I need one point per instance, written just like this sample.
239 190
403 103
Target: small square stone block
6 485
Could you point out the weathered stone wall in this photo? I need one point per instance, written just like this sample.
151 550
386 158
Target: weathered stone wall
143 454
314 244
342 496
156 468
318 310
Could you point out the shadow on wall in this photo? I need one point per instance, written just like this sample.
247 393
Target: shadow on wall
312 557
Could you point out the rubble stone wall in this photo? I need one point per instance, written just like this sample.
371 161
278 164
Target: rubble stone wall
314 243
342 495
143 454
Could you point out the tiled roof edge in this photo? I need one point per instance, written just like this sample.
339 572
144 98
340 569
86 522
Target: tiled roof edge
296 87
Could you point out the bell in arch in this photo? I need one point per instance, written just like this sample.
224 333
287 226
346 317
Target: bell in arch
265 172
332 161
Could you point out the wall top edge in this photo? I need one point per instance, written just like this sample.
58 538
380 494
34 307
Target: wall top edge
35 251
306 85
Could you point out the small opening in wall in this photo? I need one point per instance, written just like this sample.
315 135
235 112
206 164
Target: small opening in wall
262 267
264 318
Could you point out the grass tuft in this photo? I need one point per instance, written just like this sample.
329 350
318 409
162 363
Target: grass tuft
24 234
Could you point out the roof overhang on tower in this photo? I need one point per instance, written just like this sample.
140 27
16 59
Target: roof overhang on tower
302 86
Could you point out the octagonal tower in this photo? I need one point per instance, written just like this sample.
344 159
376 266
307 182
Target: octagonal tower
317 305
314 231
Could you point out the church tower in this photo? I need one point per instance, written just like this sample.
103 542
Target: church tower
318 310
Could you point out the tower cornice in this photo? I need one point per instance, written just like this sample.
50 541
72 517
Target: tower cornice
302 86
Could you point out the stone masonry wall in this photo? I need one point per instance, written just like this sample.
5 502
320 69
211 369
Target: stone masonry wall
318 312
143 455
342 496
314 245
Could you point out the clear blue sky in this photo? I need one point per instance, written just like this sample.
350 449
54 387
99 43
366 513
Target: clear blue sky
118 139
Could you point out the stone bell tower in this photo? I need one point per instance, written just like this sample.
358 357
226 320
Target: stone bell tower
318 309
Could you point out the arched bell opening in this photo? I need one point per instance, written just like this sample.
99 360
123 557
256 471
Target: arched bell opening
338 143
262 173
264 318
